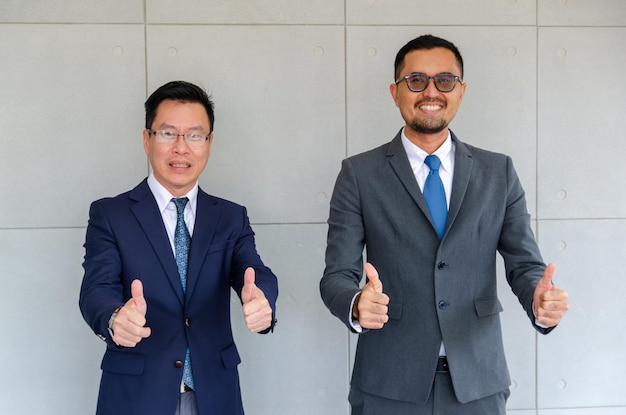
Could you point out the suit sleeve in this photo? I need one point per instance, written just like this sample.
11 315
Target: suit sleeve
345 243
518 247
101 291
245 256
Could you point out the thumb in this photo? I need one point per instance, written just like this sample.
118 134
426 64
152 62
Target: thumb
372 276
545 283
248 276
136 291
249 288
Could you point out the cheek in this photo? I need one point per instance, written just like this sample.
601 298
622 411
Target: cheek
203 157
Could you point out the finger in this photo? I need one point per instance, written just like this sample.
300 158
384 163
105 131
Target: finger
373 321
249 276
546 281
260 319
128 339
373 278
255 305
136 290
249 290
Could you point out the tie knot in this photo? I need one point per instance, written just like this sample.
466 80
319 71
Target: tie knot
180 203
433 162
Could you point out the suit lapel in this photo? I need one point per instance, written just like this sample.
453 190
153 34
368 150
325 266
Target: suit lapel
147 213
399 162
463 164
207 218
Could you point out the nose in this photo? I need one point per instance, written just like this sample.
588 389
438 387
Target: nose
180 145
431 90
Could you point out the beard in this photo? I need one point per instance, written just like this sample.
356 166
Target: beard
428 126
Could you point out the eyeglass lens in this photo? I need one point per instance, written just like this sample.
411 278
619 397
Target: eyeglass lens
169 137
443 82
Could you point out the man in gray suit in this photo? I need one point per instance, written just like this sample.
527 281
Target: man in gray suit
431 341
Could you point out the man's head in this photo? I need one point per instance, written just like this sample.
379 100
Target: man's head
428 88
426 42
178 91
178 135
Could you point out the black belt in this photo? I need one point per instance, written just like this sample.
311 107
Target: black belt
442 364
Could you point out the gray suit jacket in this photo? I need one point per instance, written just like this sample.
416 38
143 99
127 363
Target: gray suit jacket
438 290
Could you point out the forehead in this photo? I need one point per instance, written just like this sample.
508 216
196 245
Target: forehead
181 113
430 62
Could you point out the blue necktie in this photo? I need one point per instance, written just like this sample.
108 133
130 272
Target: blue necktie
182 241
435 195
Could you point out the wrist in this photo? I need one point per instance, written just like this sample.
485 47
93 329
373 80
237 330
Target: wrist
355 307
111 320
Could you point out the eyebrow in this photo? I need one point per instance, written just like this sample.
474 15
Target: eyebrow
439 73
166 126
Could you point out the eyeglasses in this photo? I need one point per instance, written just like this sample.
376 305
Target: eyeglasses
418 82
170 137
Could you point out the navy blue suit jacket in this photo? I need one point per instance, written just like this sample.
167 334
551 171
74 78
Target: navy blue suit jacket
126 240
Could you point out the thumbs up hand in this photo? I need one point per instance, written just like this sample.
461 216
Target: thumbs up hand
257 311
551 303
370 306
128 325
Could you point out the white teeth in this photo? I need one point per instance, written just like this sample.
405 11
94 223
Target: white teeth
179 165
431 107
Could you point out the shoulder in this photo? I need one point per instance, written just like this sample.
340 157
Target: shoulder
481 156
137 193
381 152
205 198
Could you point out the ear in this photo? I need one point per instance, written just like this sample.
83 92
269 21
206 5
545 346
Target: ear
463 87
146 141
211 137
393 89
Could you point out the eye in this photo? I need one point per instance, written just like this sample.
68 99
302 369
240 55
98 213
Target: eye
195 137
417 78
445 79
169 134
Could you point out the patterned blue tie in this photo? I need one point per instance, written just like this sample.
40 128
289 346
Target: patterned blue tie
182 241
435 195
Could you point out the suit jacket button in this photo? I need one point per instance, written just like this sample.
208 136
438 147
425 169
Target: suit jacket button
442 305
441 265
188 322
178 364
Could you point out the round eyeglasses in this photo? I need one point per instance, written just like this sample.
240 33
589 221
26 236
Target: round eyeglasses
170 137
418 82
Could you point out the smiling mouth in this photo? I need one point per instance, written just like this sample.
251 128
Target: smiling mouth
431 107
179 165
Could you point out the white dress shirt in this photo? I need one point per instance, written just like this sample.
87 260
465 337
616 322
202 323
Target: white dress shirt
168 208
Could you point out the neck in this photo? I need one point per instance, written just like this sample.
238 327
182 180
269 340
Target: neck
427 142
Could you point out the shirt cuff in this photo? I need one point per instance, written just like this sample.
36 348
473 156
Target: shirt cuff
354 323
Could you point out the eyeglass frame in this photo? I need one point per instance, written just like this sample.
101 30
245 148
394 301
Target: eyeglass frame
428 78
206 137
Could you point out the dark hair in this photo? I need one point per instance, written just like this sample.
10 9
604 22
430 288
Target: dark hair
425 42
178 91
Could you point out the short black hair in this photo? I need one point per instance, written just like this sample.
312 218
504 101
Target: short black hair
425 42
178 91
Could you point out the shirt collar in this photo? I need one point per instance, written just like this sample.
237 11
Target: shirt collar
417 155
164 197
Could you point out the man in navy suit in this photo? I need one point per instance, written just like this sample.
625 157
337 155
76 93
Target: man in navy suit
429 314
156 323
